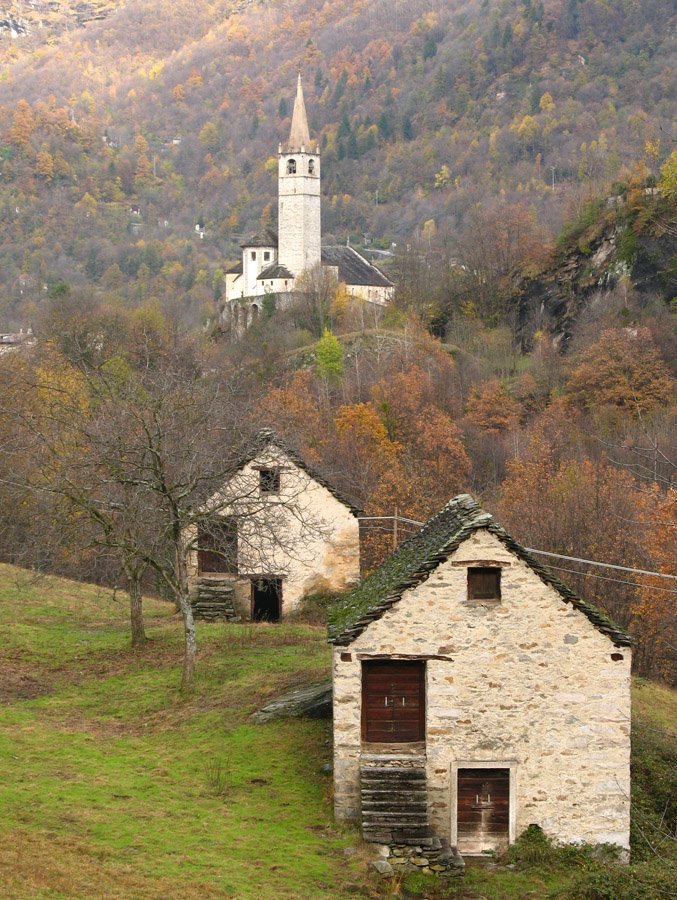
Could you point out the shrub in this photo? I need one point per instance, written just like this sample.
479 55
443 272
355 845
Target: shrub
314 607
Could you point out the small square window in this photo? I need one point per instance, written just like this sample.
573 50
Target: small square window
266 254
269 481
484 583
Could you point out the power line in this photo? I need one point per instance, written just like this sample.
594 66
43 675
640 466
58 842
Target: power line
591 562
608 578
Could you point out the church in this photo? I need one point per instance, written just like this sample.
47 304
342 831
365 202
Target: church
272 262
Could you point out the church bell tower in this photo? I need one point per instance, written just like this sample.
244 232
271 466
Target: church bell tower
299 228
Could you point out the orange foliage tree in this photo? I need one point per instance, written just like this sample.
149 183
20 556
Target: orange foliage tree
621 370
654 612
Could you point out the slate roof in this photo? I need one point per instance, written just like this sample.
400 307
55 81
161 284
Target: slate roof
265 238
235 270
266 437
275 270
421 554
353 268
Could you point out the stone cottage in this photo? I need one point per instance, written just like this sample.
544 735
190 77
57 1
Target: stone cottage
475 694
279 531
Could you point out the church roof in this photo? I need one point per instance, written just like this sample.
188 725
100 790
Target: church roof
265 238
299 135
236 269
421 554
275 270
354 268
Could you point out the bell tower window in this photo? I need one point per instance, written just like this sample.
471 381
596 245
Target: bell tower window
311 166
291 167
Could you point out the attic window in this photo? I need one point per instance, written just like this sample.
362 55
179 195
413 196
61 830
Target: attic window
311 166
484 583
269 481
291 167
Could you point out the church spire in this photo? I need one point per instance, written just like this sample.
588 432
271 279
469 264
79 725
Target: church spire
299 135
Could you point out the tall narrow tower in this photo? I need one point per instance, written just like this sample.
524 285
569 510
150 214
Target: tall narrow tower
299 228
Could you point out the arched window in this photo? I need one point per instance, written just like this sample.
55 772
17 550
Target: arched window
255 312
291 167
311 166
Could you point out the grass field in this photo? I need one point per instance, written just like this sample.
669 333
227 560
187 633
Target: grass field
113 785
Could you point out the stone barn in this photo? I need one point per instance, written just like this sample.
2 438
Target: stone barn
475 694
279 531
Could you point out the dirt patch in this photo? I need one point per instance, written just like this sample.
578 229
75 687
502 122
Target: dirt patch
18 681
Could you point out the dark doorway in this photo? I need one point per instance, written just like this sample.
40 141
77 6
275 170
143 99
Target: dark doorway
266 599
483 810
393 701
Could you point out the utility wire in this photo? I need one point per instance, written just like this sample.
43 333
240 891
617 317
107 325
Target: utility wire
591 562
608 578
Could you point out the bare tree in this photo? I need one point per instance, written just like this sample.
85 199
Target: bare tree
143 458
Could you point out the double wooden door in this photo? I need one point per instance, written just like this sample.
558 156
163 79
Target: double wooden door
393 701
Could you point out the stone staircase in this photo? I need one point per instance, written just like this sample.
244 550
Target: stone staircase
395 801
214 599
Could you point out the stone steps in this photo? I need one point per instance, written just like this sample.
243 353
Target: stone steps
213 600
394 803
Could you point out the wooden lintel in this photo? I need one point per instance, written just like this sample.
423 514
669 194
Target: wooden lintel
480 563
385 656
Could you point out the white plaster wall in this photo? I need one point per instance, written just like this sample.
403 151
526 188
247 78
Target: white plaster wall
370 293
299 221
251 268
529 683
304 534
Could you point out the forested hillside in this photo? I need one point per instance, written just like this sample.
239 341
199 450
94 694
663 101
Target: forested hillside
122 134
465 133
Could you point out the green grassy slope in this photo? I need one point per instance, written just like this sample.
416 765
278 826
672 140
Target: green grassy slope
112 785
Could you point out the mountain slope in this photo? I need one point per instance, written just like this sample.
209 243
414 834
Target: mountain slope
422 109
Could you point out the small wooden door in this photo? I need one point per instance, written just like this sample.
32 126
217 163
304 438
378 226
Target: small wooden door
483 810
393 701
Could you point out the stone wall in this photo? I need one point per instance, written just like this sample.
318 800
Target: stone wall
299 216
304 534
528 685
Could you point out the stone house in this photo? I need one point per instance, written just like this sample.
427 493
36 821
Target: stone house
279 531
475 694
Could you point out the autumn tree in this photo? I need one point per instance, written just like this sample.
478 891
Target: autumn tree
621 371
653 614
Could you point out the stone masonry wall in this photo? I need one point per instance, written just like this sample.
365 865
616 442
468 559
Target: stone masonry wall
528 685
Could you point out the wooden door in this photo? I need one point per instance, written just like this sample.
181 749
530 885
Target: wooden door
483 810
393 701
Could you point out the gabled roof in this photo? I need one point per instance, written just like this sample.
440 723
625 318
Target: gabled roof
267 237
275 270
353 268
416 558
266 437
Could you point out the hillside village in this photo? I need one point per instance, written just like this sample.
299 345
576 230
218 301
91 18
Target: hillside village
337 473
